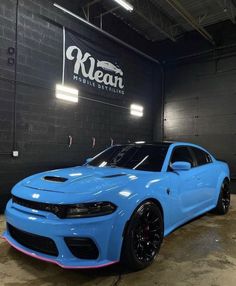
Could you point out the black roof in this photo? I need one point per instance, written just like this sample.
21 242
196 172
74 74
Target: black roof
160 143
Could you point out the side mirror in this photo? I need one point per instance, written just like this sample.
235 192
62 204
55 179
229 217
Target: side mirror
88 160
180 166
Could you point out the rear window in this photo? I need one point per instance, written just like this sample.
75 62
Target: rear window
201 156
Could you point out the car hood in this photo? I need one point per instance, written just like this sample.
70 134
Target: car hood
82 180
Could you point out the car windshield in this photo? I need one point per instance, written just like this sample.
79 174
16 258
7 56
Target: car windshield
136 156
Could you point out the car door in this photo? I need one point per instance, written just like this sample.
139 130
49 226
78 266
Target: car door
206 175
186 183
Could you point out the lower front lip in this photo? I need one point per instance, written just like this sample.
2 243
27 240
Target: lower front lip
31 254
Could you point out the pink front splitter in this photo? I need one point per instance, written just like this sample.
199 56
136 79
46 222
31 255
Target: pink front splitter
53 261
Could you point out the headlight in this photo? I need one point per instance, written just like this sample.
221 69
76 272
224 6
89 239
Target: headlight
90 210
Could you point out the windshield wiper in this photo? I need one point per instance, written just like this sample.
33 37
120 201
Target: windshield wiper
141 162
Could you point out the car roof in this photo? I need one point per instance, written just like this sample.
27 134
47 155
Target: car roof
163 143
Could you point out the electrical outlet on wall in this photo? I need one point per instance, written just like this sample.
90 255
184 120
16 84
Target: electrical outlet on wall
15 154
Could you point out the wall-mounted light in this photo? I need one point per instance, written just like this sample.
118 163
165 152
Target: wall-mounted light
136 110
67 93
125 5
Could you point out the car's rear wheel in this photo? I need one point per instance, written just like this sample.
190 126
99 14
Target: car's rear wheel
223 203
143 236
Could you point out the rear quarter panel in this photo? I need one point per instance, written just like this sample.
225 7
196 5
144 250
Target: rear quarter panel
224 172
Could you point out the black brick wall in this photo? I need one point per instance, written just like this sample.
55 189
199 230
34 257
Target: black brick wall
200 98
43 123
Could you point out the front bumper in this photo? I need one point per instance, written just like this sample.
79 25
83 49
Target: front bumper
101 230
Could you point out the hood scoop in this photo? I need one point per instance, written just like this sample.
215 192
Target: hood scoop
114 176
55 179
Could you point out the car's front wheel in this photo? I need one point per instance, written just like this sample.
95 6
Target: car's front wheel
143 236
223 203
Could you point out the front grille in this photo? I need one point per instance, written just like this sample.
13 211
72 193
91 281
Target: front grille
58 210
32 241
81 247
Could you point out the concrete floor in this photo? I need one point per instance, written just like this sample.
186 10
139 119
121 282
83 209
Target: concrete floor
201 253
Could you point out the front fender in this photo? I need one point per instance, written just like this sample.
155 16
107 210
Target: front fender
129 199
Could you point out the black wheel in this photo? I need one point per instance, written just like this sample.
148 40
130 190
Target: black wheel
143 236
224 199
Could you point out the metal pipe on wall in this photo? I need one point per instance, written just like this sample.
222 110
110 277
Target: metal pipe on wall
107 34
15 85
15 77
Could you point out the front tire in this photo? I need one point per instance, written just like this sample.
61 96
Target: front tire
223 203
143 236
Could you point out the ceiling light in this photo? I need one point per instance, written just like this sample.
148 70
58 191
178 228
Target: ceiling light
67 93
136 110
125 5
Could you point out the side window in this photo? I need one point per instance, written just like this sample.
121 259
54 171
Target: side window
182 154
201 156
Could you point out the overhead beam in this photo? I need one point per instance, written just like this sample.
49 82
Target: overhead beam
156 18
86 8
108 11
190 19
90 3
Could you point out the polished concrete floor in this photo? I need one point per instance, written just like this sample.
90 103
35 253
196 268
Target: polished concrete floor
201 253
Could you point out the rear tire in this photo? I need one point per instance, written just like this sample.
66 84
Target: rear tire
143 237
223 203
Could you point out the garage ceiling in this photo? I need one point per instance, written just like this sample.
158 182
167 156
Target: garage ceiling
158 20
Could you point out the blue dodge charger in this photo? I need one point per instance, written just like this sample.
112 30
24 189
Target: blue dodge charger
116 207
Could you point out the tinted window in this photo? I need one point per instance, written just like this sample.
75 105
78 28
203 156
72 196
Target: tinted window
201 156
182 154
139 157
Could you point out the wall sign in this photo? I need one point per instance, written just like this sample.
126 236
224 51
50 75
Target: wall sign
93 68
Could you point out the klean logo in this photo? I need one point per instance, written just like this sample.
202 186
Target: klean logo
94 72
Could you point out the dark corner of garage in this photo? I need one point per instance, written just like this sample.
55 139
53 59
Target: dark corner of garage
118 142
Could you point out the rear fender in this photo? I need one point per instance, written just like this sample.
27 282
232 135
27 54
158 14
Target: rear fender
222 177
